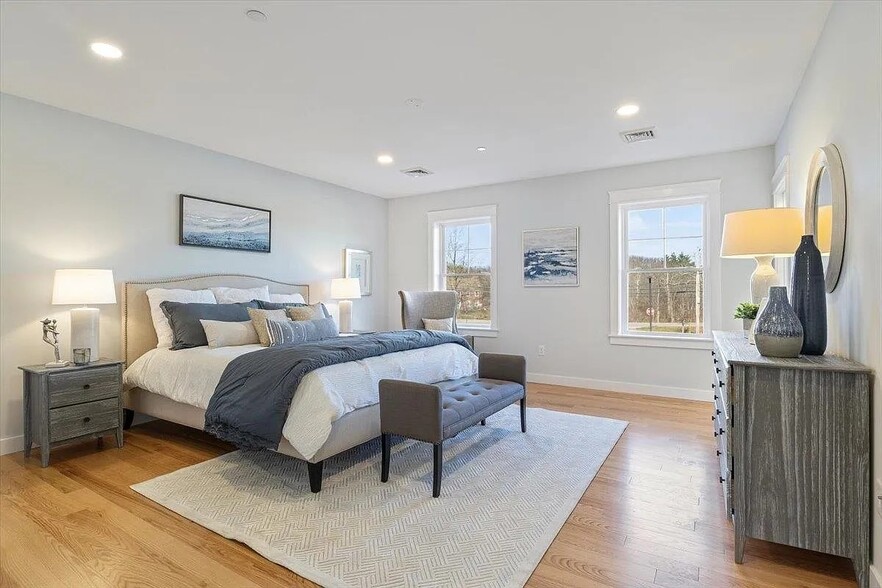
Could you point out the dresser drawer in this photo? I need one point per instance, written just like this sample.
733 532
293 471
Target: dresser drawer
82 419
83 386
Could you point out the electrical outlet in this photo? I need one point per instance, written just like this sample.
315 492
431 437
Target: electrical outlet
877 496
542 350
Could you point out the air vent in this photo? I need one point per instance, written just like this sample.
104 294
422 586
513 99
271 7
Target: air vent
417 172
638 135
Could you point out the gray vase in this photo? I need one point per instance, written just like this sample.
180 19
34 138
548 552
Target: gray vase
778 330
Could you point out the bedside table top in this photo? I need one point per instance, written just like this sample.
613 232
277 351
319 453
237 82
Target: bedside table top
42 369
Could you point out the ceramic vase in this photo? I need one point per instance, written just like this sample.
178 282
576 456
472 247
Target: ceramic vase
747 325
809 298
778 330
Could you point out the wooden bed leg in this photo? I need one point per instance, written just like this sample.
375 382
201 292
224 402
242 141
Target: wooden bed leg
384 468
128 417
315 475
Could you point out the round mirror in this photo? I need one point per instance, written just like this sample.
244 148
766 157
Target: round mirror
825 211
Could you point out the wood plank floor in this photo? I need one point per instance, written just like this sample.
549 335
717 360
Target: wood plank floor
652 517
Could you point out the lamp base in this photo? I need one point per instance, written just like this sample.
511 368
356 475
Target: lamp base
345 307
762 278
84 329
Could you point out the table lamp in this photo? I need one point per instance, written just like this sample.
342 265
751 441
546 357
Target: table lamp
762 234
345 290
84 286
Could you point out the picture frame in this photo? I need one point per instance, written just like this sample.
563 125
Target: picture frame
204 222
357 263
550 257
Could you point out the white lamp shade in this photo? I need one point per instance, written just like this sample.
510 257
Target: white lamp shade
345 288
762 232
83 286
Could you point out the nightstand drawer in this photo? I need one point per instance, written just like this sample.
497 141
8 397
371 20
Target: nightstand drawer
82 419
83 386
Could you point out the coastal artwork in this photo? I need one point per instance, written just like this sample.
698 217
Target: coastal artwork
551 257
209 223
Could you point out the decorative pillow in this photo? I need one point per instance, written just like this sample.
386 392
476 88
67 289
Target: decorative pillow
287 298
266 305
306 313
232 295
296 332
157 296
184 319
224 334
259 318
439 324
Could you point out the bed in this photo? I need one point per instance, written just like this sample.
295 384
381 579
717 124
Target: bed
335 407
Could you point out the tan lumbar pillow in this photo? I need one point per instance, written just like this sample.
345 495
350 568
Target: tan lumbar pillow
306 313
259 318
229 334
445 324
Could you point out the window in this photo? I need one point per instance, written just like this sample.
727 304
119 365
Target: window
464 259
661 267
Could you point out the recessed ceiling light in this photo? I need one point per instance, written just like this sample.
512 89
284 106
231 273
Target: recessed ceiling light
627 110
414 102
106 50
481 149
256 15
385 159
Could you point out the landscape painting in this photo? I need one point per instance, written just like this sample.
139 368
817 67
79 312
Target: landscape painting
209 223
551 257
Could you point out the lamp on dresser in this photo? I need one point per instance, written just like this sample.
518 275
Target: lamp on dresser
763 234
84 286
345 290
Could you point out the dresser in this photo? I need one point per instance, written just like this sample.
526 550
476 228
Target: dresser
70 403
793 442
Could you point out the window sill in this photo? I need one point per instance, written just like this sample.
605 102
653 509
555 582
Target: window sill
662 341
478 332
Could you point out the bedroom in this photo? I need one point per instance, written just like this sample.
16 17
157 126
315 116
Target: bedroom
300 118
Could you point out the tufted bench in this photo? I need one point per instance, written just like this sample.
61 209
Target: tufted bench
436 412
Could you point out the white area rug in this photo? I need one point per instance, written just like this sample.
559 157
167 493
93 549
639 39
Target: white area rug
504 497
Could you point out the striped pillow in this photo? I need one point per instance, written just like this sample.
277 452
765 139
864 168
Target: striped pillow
296 332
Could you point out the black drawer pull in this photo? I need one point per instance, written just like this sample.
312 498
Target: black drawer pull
722 479
713 353
722 430
718 453
87 386
718 411
713 386
716 434
87 419
716 397
715 362
722 384
718 370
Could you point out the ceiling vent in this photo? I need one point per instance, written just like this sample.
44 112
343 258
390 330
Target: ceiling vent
638 135
416 172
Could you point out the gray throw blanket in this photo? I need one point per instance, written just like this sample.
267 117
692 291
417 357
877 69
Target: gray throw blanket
251 400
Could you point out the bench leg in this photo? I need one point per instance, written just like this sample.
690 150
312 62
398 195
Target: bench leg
315 475
384 471
436 477
523 415
484 423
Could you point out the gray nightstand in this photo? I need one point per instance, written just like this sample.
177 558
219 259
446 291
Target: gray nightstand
70 403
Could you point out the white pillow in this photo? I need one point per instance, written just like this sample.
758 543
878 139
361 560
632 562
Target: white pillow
157 296
439 324
285 298
232 295
229 334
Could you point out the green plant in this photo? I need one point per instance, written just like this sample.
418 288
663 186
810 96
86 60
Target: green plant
746 310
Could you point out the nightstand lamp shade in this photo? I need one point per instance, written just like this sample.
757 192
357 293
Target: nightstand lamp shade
345 290
762 234
84 286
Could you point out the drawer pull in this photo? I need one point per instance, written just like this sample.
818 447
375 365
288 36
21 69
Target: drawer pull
86 386
718 370
718 411
715 362
722 430
716 434
722 479
718 453
722 384
713 386
716 397
87 419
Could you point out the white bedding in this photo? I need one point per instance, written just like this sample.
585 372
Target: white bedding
324 395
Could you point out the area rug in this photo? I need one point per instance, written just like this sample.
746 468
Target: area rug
504 497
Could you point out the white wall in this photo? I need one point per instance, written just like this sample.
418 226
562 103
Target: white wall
840 101
79 192
573 323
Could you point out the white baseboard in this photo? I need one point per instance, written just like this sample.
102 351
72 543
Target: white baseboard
611 386
875 577
11 444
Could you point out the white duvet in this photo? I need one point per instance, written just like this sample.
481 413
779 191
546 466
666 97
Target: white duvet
324 395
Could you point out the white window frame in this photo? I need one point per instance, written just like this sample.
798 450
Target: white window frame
439 218
622 201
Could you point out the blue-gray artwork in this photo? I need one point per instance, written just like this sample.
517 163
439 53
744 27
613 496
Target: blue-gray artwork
209 223
551 257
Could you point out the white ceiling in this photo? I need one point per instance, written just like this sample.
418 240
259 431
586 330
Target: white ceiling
320 88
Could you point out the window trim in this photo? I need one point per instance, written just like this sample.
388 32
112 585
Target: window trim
436 219
621 201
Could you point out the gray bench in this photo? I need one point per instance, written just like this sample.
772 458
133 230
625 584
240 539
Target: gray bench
436 412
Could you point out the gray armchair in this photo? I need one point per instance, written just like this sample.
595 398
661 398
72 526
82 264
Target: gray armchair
415 306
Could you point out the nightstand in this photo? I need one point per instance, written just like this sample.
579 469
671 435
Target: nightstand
70 403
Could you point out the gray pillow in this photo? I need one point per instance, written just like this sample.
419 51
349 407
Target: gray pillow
296 332
265 305
184 317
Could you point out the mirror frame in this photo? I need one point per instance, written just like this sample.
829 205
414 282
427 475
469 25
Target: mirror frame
827 159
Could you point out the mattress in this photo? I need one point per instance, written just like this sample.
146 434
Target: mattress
190 376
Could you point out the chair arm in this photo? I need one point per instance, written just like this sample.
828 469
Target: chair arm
411 409
497 366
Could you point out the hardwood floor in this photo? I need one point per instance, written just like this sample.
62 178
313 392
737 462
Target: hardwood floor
651 517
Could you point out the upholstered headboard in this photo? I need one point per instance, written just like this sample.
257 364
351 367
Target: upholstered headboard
138 334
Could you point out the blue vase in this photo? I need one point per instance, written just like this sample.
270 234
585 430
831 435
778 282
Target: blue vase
778 331
809 298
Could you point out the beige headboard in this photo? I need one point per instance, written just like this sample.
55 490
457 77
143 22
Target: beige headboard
138 334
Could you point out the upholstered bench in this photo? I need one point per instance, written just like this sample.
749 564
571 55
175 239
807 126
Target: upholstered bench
436 412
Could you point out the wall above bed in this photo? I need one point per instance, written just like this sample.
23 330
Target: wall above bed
80 192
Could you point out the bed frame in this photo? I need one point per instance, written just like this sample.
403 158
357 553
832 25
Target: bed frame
139 336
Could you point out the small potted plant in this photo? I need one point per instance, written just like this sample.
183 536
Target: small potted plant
746 311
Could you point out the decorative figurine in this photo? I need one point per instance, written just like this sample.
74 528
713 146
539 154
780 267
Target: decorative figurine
50 327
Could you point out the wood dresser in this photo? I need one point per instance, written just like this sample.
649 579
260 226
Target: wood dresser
793 439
